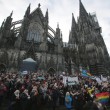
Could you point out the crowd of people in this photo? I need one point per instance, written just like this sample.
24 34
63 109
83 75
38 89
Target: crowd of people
38 91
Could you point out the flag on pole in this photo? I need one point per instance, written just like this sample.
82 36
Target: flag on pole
103 97
87 74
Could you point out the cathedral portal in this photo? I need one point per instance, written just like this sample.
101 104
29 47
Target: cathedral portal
2 68
51 71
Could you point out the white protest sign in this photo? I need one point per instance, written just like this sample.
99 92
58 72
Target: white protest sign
70 80
103 78
24 72
98 80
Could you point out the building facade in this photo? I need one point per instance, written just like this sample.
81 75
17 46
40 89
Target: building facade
35 39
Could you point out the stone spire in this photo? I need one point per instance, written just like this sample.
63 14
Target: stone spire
27 13
61 35
82 11
58 40
57 31
46 17
11 14
7 23
2 24
72 33
57 25
46 14
39 5
73 27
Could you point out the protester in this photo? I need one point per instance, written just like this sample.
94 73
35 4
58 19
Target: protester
68 101
44 91
24 97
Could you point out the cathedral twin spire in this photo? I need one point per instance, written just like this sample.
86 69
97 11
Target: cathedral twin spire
82 17
82 11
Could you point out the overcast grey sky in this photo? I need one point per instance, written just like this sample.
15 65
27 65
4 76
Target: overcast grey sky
60 11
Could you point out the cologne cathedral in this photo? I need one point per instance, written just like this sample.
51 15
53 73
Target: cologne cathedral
34 40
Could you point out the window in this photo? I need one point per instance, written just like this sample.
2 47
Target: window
34 34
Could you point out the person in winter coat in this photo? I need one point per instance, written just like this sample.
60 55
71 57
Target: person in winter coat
68 101
2 91
24 98
55 96
15 104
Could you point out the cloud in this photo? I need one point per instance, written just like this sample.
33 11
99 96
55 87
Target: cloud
60 11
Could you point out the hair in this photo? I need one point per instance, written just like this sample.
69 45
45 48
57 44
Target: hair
67 93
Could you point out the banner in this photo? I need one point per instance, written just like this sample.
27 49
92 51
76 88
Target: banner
103 78
24 72
70 80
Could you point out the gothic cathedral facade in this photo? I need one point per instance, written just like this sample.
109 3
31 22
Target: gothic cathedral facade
35 39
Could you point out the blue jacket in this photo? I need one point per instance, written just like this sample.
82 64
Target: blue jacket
68 101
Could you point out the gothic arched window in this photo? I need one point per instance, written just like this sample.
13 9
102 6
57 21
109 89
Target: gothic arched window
35 32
